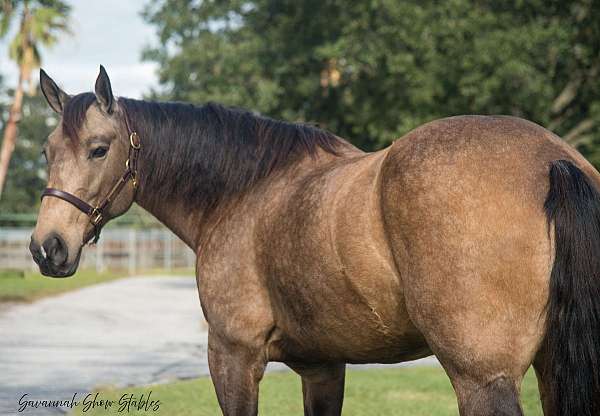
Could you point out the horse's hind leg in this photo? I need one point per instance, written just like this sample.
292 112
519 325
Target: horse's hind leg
485 348
480 305
322 388
485 359
499 397
485 339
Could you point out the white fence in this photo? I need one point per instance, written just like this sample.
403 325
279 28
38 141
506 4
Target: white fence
118 249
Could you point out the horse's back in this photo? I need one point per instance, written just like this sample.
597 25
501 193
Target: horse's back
463 199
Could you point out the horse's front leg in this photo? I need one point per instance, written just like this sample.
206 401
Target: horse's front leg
236 372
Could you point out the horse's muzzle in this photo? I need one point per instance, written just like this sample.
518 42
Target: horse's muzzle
52 257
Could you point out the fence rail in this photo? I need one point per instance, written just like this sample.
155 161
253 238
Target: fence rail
119 249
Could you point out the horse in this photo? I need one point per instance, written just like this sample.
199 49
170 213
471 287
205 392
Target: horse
473 238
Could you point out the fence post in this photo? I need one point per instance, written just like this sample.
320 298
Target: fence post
142 244
132 251
168 250
191 258
100 256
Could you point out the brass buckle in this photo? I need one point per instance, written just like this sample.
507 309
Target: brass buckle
134 180
134 140
95 217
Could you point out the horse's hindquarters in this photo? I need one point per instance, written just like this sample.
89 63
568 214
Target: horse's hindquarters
463 202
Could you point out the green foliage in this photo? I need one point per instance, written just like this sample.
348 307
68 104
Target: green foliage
417 391
372 70
27 171
37 23
41 23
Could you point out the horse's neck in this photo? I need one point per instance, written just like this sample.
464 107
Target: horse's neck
177 217
190 223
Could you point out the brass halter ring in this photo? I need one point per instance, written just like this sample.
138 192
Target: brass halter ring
134 140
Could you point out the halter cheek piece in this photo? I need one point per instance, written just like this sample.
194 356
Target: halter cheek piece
97 213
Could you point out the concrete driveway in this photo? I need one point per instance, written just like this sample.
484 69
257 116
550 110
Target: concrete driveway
133 331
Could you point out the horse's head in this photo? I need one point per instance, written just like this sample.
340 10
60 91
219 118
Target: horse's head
87 155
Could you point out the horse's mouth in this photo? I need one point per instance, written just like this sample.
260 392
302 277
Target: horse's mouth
49 269
57 273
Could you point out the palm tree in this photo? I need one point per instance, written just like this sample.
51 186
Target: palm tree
40 24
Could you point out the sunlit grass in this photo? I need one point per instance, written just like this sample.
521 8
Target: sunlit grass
29 286
415 391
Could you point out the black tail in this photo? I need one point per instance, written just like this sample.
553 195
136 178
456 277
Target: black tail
573 320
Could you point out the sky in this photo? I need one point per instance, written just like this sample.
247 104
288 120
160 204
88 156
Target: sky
107 32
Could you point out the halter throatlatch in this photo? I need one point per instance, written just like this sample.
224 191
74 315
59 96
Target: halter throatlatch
97 213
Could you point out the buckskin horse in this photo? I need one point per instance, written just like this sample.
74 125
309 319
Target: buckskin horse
474 238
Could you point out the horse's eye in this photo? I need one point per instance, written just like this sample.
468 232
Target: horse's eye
98 152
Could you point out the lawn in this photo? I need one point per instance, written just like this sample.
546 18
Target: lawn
15 287
415 391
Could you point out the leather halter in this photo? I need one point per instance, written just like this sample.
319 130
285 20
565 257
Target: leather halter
97 213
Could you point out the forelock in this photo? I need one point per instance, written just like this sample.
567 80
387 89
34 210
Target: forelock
74 113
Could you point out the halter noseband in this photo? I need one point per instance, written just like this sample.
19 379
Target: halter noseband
97 213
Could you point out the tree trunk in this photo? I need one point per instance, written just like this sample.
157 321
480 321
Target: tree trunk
10 132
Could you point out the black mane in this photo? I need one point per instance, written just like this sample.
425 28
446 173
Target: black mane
204 153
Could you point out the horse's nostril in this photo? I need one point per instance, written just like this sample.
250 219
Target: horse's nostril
36 251
55 250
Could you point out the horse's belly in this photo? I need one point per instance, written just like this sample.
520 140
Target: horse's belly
344 316
359 338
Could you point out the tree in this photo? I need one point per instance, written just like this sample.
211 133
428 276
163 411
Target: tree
27 166
39 24
372 70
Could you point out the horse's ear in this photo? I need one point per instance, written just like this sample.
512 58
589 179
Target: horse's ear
104 93
57 98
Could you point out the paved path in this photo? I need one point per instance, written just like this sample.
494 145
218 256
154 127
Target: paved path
130 331
127 332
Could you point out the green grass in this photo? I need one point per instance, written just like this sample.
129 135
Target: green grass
416 391
19 287
33 285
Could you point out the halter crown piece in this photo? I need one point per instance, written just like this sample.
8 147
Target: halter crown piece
97 213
